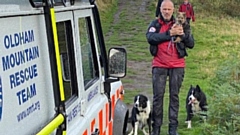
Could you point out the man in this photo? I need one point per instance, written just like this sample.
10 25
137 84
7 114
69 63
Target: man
166 63
188 9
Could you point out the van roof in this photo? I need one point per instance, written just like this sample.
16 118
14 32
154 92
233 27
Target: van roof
18 7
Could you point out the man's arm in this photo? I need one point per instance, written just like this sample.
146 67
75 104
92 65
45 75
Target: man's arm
189 41
180 8
192 14
154 37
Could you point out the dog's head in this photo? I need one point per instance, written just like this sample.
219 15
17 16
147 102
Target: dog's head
140 102
181 18
194 95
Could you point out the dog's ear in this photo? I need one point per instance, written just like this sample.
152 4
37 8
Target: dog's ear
178 13
198 88
135 99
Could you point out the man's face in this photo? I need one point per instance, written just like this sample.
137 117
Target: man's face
167 10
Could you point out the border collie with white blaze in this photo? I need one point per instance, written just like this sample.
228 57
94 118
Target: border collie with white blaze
196 102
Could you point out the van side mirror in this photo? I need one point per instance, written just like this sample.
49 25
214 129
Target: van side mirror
117 62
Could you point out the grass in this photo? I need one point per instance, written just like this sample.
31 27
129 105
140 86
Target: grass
216 39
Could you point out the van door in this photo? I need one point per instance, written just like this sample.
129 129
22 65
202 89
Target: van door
71 74
81 71
93 100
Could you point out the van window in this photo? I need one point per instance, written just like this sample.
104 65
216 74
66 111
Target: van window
88 51
67 58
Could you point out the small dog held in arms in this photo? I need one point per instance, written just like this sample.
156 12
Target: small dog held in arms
181 20
196 104
141 115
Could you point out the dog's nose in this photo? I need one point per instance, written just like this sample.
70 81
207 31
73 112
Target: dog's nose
136 105
190 98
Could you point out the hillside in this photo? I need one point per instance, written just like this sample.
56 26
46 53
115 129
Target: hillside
212 63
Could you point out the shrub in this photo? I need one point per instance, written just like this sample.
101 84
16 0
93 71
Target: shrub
224 104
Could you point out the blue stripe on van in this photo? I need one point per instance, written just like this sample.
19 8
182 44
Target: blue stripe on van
1 98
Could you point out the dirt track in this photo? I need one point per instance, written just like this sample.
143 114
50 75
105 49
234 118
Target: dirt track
142 77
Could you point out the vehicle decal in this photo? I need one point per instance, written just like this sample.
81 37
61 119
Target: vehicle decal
105 125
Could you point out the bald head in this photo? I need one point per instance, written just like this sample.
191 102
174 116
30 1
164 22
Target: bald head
167 8
167 2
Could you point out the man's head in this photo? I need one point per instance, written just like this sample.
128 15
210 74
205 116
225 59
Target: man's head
185 1
167 8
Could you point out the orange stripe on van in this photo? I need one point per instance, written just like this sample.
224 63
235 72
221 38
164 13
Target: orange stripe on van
118 93
107 114
85 132
110 126
113 105
100 116
92 125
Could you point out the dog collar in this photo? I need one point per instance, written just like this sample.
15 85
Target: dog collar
143 111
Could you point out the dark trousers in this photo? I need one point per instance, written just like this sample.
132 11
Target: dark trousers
188 20
159 79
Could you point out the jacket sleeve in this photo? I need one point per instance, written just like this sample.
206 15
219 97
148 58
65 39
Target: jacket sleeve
154 37
158 8
188 41
180 8
192 14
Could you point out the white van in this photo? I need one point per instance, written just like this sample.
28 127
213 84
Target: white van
56 76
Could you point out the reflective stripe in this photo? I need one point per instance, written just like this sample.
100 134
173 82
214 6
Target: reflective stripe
85 132
92 125
110 128
100 121
113 105
55 37
107 114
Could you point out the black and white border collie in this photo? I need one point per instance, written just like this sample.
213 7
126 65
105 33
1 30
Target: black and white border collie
196 103
141 115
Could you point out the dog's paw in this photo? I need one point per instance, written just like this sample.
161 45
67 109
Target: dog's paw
189 124
131 132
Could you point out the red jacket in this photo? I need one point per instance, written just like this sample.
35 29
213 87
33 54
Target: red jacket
167 56
188 9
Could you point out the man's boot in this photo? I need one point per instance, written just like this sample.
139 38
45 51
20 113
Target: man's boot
155 131
172 130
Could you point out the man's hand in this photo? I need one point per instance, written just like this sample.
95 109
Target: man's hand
176 30
193 19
